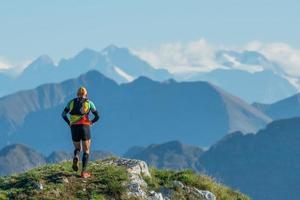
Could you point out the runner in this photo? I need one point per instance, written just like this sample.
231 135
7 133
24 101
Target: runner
79 109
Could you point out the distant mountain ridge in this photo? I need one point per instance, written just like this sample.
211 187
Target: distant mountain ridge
248 75
116 63
285 108
259 79
138 113
263 165
18 158
170 155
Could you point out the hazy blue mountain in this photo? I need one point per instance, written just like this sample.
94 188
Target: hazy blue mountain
39 71
84 61
170 155
99 155
263 165
116 63
133 65
264 86
285 108
18 158
6 83
138 113
59 156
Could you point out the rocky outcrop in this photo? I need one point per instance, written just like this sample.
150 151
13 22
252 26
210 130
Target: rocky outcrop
138 188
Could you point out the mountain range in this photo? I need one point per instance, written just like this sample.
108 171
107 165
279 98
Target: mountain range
116 63
137 113
247 74
140 106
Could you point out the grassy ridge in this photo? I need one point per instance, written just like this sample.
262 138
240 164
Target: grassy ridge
58 181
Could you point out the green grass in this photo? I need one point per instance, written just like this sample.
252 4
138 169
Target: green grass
107 182
165 178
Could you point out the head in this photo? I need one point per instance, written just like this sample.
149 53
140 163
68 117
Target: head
82 92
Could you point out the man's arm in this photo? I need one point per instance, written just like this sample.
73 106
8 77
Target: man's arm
96 116
95 112
64 114
65 117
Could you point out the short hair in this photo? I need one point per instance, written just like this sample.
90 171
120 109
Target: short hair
82 91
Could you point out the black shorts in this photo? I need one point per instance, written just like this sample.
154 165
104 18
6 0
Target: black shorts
80 132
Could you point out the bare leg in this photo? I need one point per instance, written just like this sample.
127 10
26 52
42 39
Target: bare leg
86 153
77 146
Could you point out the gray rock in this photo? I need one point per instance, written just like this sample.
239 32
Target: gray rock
204 194
208 195
38 186
178 184
155 196
137 187
136 169
167 193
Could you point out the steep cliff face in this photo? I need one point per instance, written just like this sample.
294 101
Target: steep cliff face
113 178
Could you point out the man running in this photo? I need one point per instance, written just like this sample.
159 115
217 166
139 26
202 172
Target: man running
79 109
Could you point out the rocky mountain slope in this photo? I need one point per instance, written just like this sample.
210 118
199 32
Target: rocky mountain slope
114 178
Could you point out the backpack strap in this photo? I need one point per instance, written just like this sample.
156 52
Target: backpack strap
72 105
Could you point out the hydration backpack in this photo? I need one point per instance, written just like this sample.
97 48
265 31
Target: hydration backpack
78 108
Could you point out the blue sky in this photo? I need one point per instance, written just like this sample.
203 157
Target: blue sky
62 28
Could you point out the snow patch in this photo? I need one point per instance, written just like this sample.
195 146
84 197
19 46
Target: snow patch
244 67
126 76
